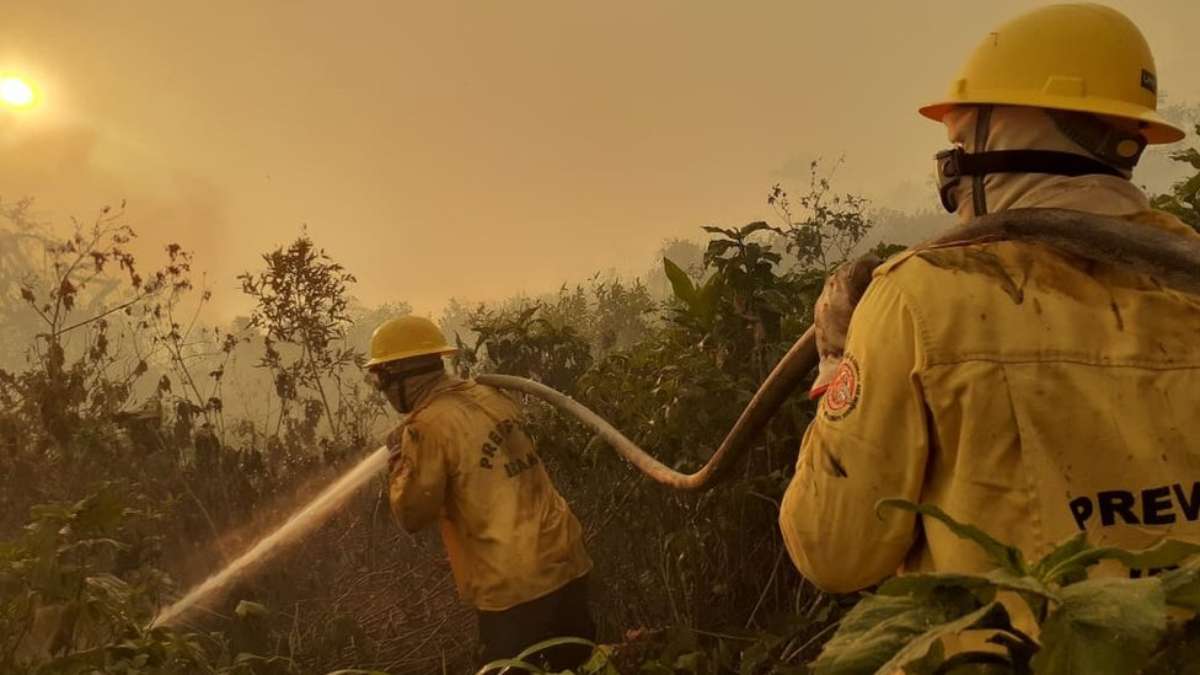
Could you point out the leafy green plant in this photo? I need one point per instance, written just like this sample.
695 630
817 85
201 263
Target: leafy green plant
600 662
1184 198
827 227
86 286
699 301
302 303
1102 625
78 589
520 341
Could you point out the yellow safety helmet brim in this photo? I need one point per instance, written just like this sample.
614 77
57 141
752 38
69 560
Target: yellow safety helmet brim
445 351
1153 126
1082 57
407 337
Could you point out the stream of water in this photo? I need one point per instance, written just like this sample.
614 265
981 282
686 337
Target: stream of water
303 521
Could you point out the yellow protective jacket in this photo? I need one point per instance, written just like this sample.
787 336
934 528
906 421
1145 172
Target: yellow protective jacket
1028 393
464 459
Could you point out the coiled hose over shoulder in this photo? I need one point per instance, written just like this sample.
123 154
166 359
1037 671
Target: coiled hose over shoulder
1172 259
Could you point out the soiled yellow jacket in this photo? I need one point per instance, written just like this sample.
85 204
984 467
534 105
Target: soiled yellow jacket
466 461
1022 391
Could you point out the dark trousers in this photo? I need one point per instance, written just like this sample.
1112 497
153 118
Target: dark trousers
563 613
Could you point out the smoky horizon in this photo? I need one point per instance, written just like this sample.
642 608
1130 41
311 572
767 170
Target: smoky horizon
474 152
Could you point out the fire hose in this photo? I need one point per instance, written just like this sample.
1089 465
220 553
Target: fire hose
1171 259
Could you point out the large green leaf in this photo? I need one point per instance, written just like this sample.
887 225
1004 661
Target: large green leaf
880 626
716 248
1037 595
1061 553
1103 626
924 585
1182 586
1026 585
750 229
992 615
982 586
681 283
1003 555
712 229
1166 553
929 664
707 297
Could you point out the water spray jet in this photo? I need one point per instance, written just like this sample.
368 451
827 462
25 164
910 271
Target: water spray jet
303 521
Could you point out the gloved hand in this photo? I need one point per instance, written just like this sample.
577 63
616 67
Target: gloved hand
843 289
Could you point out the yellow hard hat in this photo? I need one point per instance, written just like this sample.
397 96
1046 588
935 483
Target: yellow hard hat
1082 57
405 338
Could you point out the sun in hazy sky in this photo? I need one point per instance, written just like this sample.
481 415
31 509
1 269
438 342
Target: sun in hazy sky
15 92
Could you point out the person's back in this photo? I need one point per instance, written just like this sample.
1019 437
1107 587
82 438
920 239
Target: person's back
461 458
1025 392
1061 397
510 535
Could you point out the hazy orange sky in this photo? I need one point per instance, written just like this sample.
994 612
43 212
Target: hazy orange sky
481 149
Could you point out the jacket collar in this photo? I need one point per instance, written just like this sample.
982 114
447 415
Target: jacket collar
422 389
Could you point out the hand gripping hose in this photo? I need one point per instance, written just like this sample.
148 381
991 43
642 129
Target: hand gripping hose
1172 259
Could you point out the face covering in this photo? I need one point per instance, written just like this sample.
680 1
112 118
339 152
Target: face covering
398 386
396 392
1012 157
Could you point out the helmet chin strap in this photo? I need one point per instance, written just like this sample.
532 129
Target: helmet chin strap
402 404
983 122
1111 144
400 380
956 162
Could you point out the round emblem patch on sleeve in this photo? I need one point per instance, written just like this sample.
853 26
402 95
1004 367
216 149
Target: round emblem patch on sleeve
844 390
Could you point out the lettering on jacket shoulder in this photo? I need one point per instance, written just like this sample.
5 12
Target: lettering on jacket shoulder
496 438
521 464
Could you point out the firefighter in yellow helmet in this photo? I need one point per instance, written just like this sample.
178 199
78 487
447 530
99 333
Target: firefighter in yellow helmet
1023 391
461 457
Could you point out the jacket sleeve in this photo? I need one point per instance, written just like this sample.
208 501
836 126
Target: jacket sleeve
868 442
417 480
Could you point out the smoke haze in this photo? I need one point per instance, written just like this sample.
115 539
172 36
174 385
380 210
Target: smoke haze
482 149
